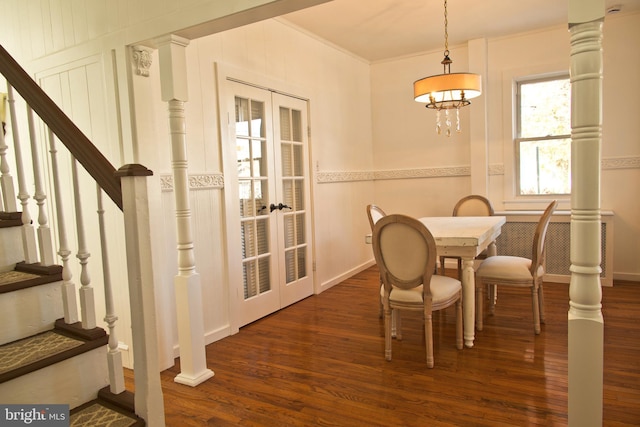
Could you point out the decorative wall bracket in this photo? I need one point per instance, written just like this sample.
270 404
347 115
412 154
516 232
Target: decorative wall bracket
141 60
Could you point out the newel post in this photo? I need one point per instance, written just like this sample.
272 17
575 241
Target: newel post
149 403
173 81
586 324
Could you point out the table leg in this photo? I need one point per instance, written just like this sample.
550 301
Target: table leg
468 300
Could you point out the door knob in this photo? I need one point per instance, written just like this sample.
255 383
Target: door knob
279 206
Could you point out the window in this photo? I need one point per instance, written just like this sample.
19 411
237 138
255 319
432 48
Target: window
543 136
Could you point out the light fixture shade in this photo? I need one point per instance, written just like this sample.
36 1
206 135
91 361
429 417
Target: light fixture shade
447 88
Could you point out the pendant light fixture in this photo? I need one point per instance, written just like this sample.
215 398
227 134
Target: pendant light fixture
448 90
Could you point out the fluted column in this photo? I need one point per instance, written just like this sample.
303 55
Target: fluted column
586 324
173 78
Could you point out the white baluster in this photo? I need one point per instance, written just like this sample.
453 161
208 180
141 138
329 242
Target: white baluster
44 233
6 180
114 357
28 232
87 306
68 287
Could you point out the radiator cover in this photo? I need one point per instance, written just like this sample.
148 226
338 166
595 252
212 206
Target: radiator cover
516 239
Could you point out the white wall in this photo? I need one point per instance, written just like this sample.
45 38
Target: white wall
407 149
337 86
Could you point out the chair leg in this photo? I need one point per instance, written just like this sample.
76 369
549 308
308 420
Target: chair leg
479 305
428 337
459 341
536 309
459 268
381 311
387 333
493 298
541 302
441 265
396 318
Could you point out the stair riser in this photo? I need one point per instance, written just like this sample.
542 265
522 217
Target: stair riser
73 381
10 248
30 311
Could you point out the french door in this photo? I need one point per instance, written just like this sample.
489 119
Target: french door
271 144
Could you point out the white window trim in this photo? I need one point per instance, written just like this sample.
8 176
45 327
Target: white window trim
510 77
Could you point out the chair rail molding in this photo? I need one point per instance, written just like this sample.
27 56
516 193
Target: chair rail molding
621 163
201 181
377 175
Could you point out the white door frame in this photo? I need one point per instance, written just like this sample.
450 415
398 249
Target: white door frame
224 75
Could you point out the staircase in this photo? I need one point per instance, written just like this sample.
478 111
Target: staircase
48 353
44 360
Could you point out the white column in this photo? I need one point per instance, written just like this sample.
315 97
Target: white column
478 139
586 325
173 78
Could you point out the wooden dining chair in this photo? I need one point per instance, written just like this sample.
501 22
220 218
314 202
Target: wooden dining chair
473 205
502 270
374 213
405 252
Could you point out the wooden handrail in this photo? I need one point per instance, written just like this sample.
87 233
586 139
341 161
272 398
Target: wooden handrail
67 132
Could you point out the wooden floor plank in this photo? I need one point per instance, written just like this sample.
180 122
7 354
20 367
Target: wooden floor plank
321 362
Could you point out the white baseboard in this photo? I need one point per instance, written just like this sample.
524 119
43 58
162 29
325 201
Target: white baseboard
627 277
334 281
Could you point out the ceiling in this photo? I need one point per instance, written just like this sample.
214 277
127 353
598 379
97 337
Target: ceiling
381 29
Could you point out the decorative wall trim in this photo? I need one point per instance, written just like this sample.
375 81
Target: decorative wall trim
449 171
621 163
141 60
324 177
496 169
196 181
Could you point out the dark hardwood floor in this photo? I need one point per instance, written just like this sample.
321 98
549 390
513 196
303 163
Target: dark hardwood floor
320 362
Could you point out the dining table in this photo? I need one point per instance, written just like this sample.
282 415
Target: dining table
465 237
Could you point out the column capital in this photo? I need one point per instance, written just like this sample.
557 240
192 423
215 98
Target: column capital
173 67
581 11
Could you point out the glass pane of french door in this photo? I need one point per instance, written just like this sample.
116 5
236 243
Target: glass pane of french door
293 181
253 189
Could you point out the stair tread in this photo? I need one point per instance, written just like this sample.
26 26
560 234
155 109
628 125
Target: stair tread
99 412
28 275
32 349
10 219
44 349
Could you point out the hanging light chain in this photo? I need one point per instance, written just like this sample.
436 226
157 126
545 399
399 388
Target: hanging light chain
446 32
